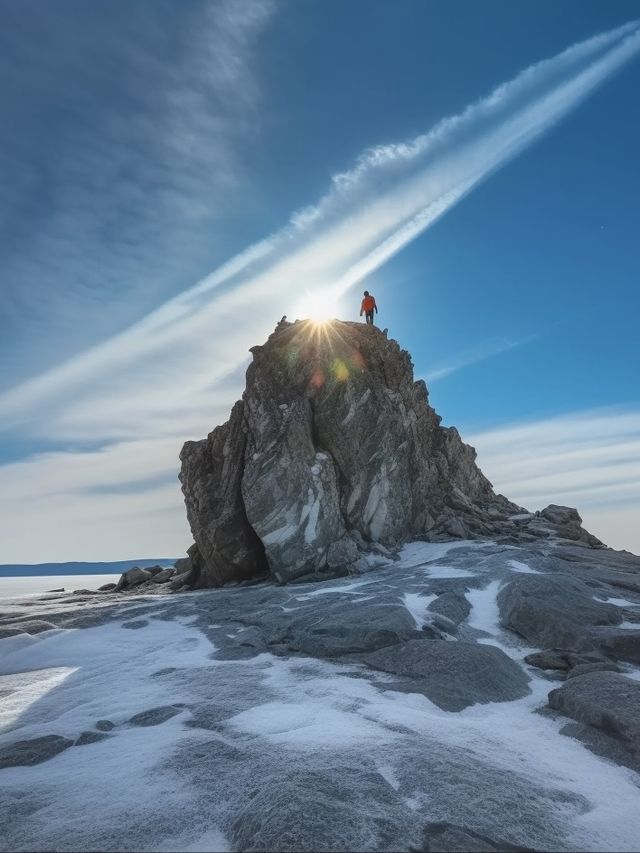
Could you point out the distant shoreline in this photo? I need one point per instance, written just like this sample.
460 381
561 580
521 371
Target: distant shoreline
32 570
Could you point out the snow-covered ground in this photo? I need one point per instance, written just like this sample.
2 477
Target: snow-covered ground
202 724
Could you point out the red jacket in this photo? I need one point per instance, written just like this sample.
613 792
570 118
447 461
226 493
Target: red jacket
368 304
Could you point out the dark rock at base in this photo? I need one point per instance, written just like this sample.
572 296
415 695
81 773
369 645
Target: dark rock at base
59 589
452 605
453 675
605 700
183 565
34 751
345 809
134 577
105 725
554 611
444 837
154 716
163 576
85 592
91 737
107 587
179 581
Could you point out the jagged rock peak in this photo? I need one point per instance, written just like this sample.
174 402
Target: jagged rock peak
334 450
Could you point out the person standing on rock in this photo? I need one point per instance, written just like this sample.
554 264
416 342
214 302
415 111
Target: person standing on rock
368 306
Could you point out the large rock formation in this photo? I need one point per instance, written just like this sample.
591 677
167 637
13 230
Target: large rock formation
334 449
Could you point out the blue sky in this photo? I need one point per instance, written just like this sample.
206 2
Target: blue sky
176 176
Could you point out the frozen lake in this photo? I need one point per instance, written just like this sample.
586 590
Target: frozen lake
18 586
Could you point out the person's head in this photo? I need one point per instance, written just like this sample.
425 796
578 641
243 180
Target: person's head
366 293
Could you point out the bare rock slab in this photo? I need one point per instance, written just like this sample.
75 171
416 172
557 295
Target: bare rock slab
554 611
453 675
605 700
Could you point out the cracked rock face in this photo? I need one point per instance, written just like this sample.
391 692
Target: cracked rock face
334 448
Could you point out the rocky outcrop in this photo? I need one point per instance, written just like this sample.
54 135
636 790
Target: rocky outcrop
334 448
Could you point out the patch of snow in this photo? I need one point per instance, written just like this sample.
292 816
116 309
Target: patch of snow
438 572
518 566
312 725
417 605
418 553
485 615
345 587
388 774
619 602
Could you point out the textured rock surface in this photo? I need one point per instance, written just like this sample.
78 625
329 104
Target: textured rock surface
605 700
454 675
554 611
332 448
313 716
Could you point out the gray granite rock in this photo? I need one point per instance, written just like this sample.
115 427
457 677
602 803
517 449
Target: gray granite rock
91 737
154 716
33 751
347 808
554 611
332 434
605 700
163 576
453 675
623 645
453 605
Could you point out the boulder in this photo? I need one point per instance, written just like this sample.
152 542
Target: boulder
133 577
33 751
605 700
163 576
154 716
452 605
453 675
91 737
554 611
623 645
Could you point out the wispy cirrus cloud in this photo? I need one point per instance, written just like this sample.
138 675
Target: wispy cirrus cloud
588 459
167 376
481 352
121 132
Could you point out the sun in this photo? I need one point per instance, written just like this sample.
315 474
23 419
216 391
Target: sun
318 307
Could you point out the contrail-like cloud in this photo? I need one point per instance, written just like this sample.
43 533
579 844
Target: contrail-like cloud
142 378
